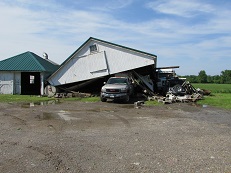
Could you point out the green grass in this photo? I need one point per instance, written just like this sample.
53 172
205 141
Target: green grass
220 96
22 98
221 100
26 98
215 88
152 103
84 99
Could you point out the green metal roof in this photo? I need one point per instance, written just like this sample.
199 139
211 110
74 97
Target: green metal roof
27 61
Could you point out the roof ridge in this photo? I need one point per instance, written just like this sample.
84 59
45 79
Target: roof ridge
34 56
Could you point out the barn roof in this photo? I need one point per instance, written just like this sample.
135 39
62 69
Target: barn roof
27 61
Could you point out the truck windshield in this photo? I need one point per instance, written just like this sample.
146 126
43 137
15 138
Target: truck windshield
117 81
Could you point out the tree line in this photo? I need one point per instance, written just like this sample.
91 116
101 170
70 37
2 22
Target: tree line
202 77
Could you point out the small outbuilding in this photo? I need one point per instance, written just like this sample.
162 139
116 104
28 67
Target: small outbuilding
96 59
25 74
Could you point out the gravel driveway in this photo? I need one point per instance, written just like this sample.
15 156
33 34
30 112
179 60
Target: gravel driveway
112 137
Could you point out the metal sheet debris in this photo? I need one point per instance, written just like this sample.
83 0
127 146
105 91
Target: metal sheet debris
180 93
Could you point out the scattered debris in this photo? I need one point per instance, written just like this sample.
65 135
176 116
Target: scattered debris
138 104
73 94
180 93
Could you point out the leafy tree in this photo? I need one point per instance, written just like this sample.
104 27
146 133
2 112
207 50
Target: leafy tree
216 79
209 79
225 77
193 79
202 77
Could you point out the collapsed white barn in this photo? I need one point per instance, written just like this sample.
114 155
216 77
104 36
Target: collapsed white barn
97 58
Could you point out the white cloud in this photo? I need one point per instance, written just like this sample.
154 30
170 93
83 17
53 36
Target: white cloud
59 30
115 4
180 8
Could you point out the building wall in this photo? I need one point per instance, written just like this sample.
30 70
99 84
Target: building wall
17 83
109 59
122 60
10 82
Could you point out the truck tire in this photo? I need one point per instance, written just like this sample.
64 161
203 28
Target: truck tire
103 99
127 99
178 90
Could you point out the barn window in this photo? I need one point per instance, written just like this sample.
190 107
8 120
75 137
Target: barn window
31 79
93 48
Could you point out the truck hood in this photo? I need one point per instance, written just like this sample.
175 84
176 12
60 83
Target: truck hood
114 86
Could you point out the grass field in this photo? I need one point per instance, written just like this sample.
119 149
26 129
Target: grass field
220 96
85 99
22 98
218 100
215 88
27 98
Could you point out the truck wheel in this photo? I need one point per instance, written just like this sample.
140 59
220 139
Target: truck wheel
127 99
178 88
103 99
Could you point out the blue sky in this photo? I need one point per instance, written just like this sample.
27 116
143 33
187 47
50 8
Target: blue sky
194 34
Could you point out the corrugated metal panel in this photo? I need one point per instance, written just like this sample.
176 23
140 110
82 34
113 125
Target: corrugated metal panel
6 87
96 62
6 83
17 83
27 61
120 59
82 68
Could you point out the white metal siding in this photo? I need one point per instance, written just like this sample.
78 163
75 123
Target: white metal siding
6 83
110 59
17 83
42 83
95 62
82 68
120 59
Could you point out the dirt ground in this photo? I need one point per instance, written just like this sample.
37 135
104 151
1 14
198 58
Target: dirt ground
111 137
